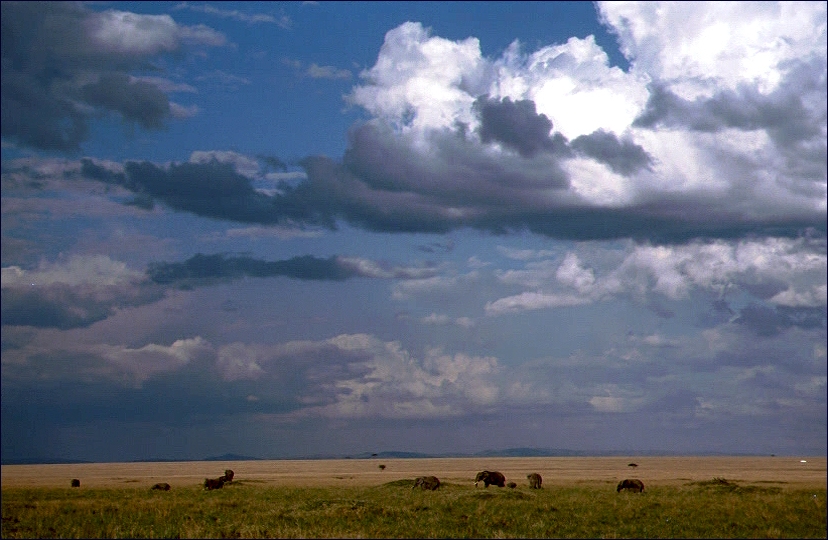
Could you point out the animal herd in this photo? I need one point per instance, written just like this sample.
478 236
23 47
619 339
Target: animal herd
218 483
209 483
495 478
431 483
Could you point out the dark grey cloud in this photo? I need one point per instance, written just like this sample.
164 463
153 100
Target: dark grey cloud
51 51
516 124
212 189
457 173
781 114
63 306
136 101
37 117
771 321
206 269
387 186
793 115
383 186
81 391
75 399
677 220
625 157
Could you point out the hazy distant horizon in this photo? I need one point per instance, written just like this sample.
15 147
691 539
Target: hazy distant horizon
393 454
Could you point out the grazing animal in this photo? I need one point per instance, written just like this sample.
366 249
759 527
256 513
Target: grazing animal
75 482
213 483
632 465
511 485
426 482
228 476
490 478
161 486
634 485
535 480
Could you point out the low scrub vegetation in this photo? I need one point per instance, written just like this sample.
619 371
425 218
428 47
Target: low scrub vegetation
714 509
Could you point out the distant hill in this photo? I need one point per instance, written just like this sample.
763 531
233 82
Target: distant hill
393 455
389 454
507 452
398 454
160 460
231 457
224 457
530 452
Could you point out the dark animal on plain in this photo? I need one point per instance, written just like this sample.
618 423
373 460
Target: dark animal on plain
490 478
632 465
213 483
228 476
161 486
511 485
426 482
535 480
634 485
75 482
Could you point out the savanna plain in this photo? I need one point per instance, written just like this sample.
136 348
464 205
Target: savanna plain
684 497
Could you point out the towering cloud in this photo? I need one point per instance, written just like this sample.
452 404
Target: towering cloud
557 141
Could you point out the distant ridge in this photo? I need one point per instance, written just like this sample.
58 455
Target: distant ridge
231 457
223 457
394 455
507 452
530 452
399 454
160 460
524 452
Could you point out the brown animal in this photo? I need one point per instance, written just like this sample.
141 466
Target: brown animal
426 482
213 483
535 480
490 478
511 485
75 482
162 486
228 476
634 485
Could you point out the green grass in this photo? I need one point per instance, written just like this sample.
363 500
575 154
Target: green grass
715 509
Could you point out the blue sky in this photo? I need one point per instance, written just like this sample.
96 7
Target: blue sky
295 229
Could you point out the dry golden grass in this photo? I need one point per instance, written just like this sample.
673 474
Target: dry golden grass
567 471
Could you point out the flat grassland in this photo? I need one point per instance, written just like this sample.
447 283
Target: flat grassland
700 497
782 471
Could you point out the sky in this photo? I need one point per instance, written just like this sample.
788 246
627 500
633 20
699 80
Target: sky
292 229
